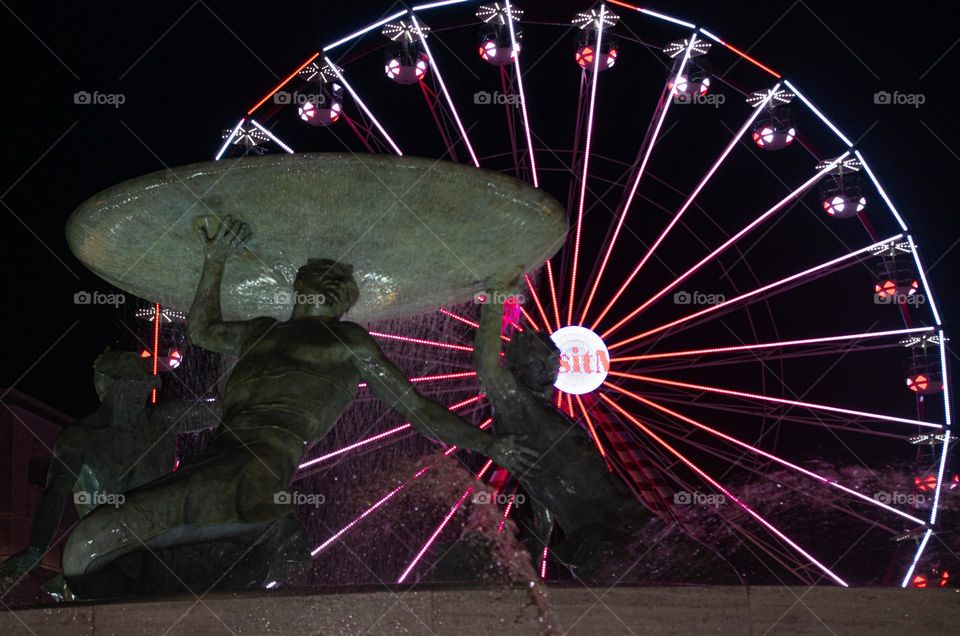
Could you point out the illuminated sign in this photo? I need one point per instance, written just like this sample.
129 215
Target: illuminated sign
584 360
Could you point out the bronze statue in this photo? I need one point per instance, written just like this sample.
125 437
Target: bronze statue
569 484
292 381
122 445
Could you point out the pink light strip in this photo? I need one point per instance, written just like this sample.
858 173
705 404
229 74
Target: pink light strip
755 292
767 398
686 204
553 293
593 431
543 563
432 378
771 345
466 321
506 513
362 105
784 462
668 94
586 165
536 300
523 100
393 431
733 239
533 323
323 546
436 533
430 343
446 93
769 526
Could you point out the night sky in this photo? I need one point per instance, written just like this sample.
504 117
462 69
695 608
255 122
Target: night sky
189 70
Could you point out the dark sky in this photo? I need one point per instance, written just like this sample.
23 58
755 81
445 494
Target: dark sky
188 70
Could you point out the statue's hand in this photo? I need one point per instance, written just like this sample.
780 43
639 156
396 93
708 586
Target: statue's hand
509 451
21 562
229 240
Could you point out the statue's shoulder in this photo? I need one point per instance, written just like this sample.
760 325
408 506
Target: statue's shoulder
353 334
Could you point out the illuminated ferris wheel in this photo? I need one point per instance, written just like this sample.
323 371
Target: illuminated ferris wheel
709 340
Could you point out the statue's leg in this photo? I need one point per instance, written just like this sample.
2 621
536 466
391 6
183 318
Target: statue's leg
230 488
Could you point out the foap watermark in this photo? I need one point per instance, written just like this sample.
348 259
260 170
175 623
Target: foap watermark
697 298
285 498
297 298
286 97
486 297
710 99
899 498
496 98
897 98
98 298
96 98
885 298
684 498
498 498
98 498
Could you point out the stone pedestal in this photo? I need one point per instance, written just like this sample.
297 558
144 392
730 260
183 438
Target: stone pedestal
463 612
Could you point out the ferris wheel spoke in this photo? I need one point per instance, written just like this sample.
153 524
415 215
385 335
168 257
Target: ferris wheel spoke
553 294
763 453
406 426
536 301
771 345
663 107
443 524
588 140
446 93
362 105
776 400
530 319
716 485
798 278
726 244
515 46
683 208
421 341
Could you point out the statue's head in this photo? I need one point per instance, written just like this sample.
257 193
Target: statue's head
327 286
123 374
534 360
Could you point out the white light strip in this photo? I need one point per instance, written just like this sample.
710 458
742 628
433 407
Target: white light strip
817 112
357 34
360 103
946 383
943 462
434 5
923 278
272 136
515 47
876 183
226 144
668 18
597 56
711 36
916 558
453 109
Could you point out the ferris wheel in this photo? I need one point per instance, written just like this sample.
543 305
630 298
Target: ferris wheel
738 298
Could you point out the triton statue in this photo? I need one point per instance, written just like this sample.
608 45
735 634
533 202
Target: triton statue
292 381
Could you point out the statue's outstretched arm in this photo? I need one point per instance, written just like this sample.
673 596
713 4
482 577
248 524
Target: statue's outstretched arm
205 324
429 417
